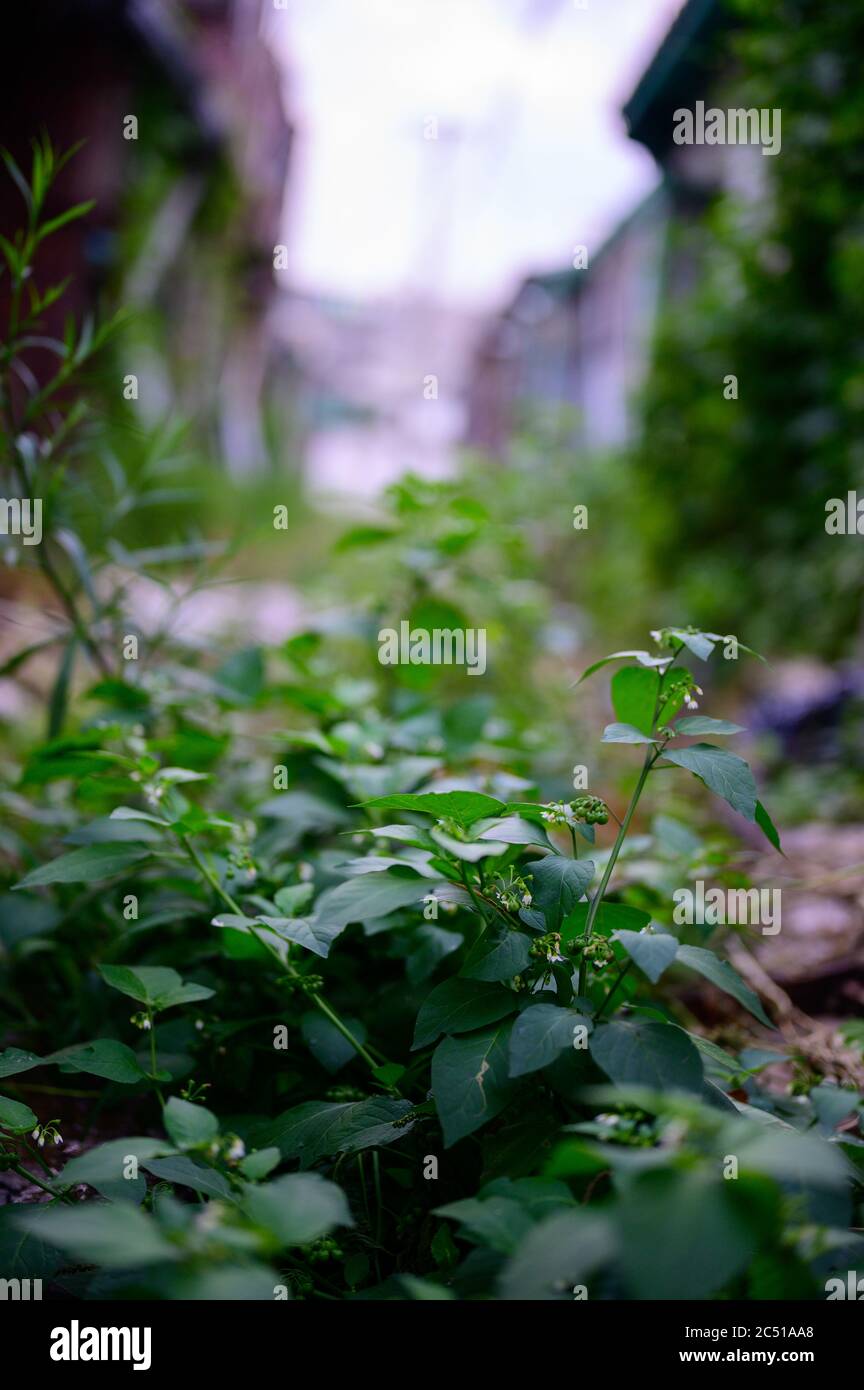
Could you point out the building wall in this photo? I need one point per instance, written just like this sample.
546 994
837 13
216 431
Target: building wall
588 346
186 218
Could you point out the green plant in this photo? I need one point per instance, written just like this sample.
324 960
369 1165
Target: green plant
736 489
442 1022
538 1063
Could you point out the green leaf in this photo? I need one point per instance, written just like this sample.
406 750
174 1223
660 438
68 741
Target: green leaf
389 1073
130 813
115 1234
87 865
157 986
16 1118
190 1126
316 1129
512 830
180 1169
59 701
297 1208
242 676
470 1081
719 1065
293 898
104 1057
498 959
465 807
540 1034
789 1157
311 933
702 724
653 952
363 536
699 643
634 691
257 1165
424 1290
683 1234
767 826
557 1253
644 659
832 1104
558 884
68 215
326 1043
496 1221
458 1006
405 834
471 851
248 1282
429 945
13 1061
724 773
722 974
368 896
610 917
639 1052
624 733
105 1165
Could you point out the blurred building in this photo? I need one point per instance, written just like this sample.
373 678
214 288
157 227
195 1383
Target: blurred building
188 200
378 384
579 339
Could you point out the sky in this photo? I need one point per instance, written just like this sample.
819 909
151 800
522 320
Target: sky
531 157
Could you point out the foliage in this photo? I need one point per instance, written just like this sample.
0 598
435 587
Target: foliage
735 490
363 1012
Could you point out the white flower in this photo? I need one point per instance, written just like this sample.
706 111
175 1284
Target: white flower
236 1150
210 1218
305 872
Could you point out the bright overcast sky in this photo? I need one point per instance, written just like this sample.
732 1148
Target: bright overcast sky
531 158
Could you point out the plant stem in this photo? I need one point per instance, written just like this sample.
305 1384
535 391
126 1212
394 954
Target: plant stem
610 864
153 1067
651 756
319 1002
470 890
31 1177
606 1002
34 1153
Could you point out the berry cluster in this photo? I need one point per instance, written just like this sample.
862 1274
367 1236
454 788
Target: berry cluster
595 949
511 892
590 809
547 947
320 1251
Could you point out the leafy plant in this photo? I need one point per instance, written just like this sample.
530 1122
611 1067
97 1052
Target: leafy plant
366 1014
